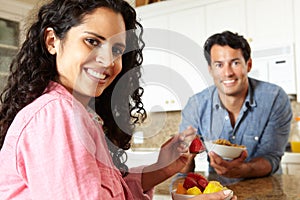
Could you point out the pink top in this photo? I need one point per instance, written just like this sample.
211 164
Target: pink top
55 150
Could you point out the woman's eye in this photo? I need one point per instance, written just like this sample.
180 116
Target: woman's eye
117 51
93 42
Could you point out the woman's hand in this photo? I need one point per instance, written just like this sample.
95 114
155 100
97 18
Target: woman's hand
174 154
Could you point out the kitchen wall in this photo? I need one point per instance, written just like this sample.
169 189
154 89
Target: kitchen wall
154 137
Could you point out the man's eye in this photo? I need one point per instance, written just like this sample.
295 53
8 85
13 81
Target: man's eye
236 63
218 65
92 42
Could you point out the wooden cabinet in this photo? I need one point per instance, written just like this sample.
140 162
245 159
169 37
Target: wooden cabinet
12 16
9 39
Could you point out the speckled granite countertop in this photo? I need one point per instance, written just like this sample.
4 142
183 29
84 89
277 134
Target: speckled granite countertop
276 187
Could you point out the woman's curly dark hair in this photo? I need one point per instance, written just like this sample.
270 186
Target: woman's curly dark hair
34 67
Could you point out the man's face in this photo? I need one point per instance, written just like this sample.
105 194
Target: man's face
229 70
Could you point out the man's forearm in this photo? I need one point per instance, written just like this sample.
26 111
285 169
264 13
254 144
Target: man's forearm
257 167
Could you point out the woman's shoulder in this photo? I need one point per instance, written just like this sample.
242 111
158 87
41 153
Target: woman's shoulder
54 101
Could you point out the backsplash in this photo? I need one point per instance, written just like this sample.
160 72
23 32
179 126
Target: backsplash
160 126
157 129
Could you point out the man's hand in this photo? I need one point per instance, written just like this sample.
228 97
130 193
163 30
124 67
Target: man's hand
232 168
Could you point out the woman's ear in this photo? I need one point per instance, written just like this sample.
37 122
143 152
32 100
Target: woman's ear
50 40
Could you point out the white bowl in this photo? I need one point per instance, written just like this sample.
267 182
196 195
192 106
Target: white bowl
226 152
176 196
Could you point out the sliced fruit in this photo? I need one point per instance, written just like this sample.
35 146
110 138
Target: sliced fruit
201 180
180 189
194 191
202 183
213 186
189 182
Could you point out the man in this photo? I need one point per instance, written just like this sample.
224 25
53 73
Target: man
240 109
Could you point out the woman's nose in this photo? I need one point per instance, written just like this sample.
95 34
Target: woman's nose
105 57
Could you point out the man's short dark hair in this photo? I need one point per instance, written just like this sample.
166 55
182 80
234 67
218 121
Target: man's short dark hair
225 38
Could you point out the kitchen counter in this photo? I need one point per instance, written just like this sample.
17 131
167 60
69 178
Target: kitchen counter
276 187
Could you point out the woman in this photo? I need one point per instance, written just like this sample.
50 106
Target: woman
62 80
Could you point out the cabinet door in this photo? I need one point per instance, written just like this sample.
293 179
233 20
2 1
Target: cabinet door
191 23
226 15
186 45
12 19
260 69
9 39
293 169
297 44
269 21
283 66
156 80
159 94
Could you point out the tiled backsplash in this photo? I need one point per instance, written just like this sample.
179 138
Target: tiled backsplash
160 126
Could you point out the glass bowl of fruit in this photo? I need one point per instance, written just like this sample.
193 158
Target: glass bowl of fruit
193 184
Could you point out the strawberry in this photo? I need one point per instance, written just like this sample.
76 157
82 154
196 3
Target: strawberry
196 146
195 176
201 180
202 183
189 182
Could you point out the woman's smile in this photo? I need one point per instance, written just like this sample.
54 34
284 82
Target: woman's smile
96 74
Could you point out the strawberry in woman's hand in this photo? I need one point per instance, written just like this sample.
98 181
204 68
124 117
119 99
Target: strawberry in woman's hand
196 146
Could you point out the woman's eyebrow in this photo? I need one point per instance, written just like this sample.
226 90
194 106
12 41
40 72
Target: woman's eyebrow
96 35
103 38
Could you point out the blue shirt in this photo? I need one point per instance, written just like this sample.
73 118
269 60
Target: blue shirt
263 124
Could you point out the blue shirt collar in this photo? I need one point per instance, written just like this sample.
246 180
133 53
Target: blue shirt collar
249 101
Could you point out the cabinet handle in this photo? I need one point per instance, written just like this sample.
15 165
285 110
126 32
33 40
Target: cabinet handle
280 62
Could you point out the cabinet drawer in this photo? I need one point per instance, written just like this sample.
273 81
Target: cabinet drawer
293 169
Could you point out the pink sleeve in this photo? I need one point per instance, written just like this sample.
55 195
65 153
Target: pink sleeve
55 164
133 180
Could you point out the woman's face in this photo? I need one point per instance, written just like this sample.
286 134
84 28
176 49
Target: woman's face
90 56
